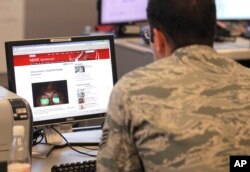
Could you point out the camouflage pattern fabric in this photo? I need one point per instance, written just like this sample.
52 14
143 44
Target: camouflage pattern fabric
185 113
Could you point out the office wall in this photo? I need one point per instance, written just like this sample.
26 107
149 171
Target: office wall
53 18
44 18
12 16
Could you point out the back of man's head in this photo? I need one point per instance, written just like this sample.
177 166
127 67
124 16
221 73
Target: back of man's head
184 22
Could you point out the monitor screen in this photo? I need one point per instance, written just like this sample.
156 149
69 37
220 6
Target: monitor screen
122 11
233 9
63 79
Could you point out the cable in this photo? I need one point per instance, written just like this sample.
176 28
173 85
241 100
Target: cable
38 133
70 145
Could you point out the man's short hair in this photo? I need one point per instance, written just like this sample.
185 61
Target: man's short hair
184 22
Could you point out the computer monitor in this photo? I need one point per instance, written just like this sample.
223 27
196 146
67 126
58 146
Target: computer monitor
121 12
65 80
232 10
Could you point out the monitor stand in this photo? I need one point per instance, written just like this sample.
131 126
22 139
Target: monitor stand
42 151
120 32
52 139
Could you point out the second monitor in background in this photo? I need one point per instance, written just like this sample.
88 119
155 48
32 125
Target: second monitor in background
234 17
120 13
233 10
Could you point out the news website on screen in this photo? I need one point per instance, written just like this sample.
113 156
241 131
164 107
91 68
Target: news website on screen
64 79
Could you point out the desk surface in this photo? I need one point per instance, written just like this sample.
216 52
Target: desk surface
61 156
238 50
66 155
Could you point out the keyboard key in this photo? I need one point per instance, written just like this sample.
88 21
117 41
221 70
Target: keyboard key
85 166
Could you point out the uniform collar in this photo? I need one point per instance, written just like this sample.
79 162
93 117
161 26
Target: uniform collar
195 52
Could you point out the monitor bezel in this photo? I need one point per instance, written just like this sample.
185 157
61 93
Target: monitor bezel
11 72
100 22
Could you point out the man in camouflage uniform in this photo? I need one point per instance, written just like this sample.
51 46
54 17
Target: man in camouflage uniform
186 112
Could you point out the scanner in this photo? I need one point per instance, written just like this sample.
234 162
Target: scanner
14 110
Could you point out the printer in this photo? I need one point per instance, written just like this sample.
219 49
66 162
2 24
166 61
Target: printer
14 110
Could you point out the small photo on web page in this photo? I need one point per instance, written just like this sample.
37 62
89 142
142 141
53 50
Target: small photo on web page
50 93
81 97
79 69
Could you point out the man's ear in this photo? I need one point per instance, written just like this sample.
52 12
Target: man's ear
163 46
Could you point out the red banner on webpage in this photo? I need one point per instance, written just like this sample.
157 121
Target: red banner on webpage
59 57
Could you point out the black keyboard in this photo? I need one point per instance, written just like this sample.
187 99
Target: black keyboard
85 166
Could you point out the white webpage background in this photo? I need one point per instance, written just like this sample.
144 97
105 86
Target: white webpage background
101 83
